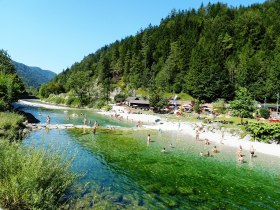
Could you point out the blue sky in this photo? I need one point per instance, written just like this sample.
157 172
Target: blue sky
53 34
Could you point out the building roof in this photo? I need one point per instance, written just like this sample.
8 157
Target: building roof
139 102
132 98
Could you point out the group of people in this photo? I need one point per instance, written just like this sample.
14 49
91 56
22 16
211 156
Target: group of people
208 154
240 156
94 126
149 141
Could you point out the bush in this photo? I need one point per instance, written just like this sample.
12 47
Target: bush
197 107
10 126
108 107
265 132
70 100
59 100
31 179
4 105
219 106
100 104
264 113
76 103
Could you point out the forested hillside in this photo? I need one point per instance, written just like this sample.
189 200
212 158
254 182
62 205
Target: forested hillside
33 76
207 53
11 86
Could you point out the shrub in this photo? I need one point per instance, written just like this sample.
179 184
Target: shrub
108 107
31 179
59 100
10 126
100 104
264 113
197 107
76 103
70 100
3 105
219 106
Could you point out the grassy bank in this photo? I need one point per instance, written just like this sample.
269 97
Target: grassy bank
10 126
29 178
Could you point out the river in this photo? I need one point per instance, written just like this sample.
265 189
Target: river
124 172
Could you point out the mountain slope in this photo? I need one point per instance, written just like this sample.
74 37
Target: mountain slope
206 53
33 76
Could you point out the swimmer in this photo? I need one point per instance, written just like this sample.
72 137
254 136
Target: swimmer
48 120
149 138
208 154
252 151
197 135
207 141
215 149
95 123
163 150
241 159
240 148
239 153
94 130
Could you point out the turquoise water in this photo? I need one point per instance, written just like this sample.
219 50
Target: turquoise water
116 166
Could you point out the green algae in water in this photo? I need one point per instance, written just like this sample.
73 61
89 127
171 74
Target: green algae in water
180 179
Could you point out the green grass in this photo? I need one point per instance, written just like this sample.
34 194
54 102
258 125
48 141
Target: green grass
10 126
182 179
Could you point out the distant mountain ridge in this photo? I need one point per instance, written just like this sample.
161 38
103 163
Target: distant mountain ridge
33 76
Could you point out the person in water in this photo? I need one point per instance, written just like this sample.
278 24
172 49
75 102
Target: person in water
215 149
197 135
95 124
241 159
163 150
94 127
240 148
208 154
85 121
252 151
148 139
48 120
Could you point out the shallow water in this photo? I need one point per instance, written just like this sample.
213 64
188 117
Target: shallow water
133 174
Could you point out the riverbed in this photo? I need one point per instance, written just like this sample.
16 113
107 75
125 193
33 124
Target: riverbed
127 172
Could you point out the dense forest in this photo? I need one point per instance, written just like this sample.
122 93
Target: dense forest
11 86
207 53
